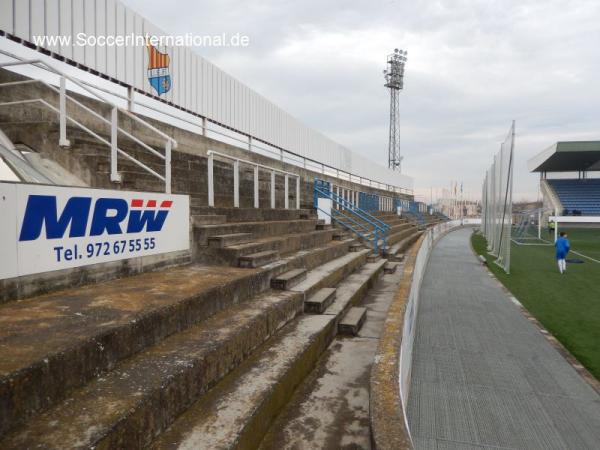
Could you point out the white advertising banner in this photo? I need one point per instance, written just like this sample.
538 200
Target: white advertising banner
46 228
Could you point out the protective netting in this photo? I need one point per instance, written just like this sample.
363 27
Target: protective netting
496 220
527 227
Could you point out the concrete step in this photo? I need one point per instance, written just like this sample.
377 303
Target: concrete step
339 234
401 246
394 228
352 322
285 244
336 393
331 273
257 229
324 226
238 411
399 236
319 301
258 259
208 219
86 331
390 267
398 257
288 280
141 396
357 247
373 258
236 215
226 240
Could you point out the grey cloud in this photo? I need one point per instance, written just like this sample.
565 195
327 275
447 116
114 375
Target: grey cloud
473 67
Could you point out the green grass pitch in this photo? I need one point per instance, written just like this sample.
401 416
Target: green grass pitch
567 305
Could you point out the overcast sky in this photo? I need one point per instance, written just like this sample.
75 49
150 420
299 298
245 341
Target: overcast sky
473 66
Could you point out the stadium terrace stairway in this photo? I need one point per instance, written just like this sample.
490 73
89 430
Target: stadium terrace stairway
126 360
115 364
402 233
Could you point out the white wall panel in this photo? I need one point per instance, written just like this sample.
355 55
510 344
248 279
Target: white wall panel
120 50
65 29
38 27
111 30
21 19
89 27
6 16
100 18
130 49
52 20
140 62
197 85
78 23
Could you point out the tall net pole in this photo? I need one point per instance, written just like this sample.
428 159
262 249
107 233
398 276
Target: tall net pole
394 81
497 202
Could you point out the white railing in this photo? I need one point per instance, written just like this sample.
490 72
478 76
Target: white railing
246 142
236 181
170 143
198 87
213 130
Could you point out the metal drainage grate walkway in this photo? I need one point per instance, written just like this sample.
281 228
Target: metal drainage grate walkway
483 376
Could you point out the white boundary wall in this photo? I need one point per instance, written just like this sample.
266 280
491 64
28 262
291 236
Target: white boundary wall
197 86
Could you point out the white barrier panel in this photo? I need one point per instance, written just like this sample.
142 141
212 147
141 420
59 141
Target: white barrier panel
46 228
324 209
174 74
410 315
575 219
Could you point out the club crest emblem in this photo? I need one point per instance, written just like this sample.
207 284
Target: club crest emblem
158 70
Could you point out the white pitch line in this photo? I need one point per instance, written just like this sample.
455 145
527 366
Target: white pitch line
550 243
585 256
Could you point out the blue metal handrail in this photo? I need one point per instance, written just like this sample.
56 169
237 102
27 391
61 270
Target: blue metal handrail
357 212
375 222
355 231
380 228
414 210
361 225
348 205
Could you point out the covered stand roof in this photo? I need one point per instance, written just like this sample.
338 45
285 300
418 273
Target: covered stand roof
567 157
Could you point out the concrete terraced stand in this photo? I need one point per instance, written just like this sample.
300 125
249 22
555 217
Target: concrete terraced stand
198 349
149 360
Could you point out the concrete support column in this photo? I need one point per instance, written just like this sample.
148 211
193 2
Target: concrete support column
236 184
272 189
62 101
130 99
286 200
256 190
211 186
114 118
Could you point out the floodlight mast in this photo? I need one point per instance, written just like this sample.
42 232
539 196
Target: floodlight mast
394 81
